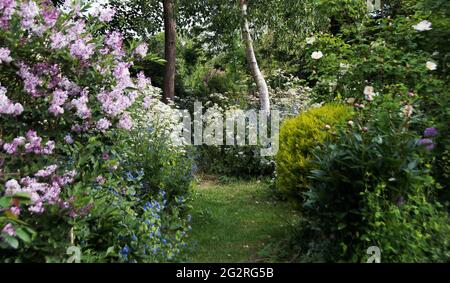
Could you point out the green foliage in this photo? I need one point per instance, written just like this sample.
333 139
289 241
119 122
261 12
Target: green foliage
298 137
371 186
236 161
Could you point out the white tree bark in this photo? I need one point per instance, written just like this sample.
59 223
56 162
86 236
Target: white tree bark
253 63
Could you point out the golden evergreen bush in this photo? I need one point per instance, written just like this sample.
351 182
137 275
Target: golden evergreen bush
298 137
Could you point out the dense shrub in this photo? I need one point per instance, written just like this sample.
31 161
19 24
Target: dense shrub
400 49
156 148
66 103
371 186
298 137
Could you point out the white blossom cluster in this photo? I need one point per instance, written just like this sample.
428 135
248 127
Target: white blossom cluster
157 120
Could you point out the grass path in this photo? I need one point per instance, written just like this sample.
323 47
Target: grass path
236 222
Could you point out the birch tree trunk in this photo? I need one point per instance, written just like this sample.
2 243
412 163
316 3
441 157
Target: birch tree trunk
169 51
253 63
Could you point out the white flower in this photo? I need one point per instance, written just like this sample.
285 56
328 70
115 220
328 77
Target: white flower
316 55
351 123
12 186
5 55
310 40
422 26
351 100
408 110
369 92
431 66
344 68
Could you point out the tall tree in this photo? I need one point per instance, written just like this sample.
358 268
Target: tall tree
169 50
145 18
251 59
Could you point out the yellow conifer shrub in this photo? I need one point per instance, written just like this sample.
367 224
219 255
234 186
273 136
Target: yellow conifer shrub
298 137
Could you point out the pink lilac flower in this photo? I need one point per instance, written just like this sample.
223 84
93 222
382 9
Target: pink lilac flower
59 98
51 196
58 40
80 104
105 155
80 128
67 178
37 208
5 55
114 102
430 132
141 50
47 171
7 9
147 102
106 14
28 10
7 106
76 30
9 229
125 122
81 49
15 210
49 148
71 87
34 143
12 187
142 80
50 15
133 95
11 148
30 80
46 69
42 193
122 75
103 124
114 41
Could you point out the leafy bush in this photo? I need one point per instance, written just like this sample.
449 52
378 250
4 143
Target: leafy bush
298 137
388 51
372 187
66 103
157 148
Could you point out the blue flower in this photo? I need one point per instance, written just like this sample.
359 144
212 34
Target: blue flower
148 206
125 251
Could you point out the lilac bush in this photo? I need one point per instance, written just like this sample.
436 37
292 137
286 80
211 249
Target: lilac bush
64 89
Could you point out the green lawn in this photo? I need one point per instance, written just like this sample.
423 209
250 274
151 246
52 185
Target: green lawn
235 222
